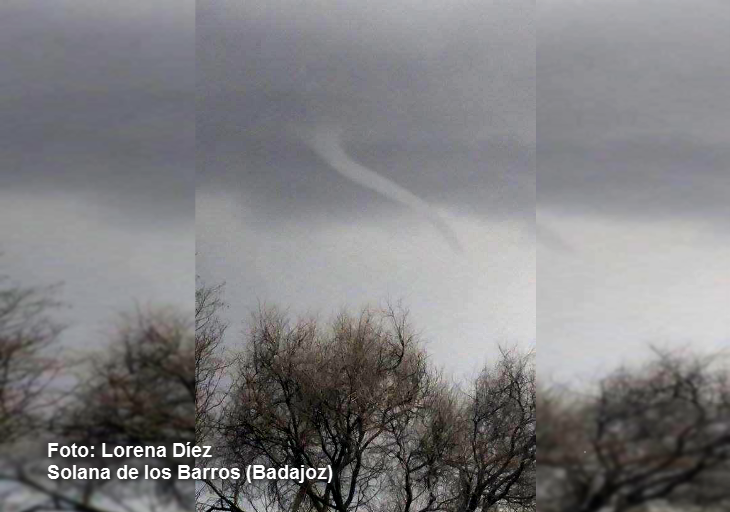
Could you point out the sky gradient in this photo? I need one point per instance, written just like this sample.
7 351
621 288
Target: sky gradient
97 155
634 175
436 100
134 136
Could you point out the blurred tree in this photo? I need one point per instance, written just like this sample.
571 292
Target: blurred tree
657 432
27 335
136 389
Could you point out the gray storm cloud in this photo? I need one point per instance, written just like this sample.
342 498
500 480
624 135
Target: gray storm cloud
326 143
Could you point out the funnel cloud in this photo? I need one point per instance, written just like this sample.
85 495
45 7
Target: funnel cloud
326 143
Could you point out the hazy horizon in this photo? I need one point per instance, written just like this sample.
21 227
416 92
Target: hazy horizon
633 166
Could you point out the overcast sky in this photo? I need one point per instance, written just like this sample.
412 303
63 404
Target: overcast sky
633 123
97 154
437 98
98 149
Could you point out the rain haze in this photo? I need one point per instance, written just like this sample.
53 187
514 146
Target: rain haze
634 174
97 181
353 153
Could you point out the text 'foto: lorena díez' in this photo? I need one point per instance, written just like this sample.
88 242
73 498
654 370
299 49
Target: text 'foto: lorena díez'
178 450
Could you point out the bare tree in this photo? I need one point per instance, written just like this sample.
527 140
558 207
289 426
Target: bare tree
210 363
139 391
660 431
27 333
420 446
324 396
494 464
358 395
